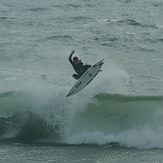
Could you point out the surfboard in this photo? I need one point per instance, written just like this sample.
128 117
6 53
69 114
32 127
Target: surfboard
86 78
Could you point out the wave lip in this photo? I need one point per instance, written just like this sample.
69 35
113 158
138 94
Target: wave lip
125 98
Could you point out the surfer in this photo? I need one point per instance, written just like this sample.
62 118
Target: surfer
78 66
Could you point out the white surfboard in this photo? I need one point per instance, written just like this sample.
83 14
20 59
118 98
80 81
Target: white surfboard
86 78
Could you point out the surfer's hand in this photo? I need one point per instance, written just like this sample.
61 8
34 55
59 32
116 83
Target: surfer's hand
73 52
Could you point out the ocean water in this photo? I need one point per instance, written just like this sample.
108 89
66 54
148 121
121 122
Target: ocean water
116 118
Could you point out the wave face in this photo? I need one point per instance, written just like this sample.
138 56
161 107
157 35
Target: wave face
132 121
128 120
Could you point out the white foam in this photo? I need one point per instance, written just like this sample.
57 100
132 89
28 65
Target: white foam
145 138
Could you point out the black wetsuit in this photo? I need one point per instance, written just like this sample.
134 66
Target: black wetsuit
79 68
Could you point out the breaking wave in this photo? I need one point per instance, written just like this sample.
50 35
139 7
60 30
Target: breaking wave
131 121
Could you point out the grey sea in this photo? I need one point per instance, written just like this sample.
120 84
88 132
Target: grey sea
117 118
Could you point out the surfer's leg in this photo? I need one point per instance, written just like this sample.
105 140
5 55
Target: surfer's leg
86 67
76 76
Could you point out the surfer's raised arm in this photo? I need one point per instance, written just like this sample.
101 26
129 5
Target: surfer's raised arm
70 57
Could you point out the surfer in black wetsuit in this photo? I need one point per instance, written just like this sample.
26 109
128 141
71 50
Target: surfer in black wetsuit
78 66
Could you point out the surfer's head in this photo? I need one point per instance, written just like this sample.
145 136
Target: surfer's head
75 59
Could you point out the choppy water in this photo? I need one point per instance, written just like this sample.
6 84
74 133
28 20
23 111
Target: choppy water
123 106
